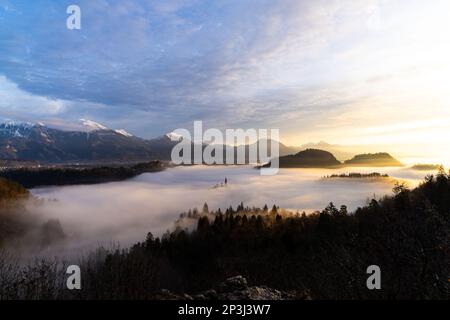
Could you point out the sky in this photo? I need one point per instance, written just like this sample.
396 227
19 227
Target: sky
348 72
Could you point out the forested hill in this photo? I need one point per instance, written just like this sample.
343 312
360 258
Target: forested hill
381 159
310 158
11 210
10 190
72 175
315 158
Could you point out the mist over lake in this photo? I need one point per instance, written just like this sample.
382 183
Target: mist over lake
124 212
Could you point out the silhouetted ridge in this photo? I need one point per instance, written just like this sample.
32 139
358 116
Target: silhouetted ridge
309 158
381 159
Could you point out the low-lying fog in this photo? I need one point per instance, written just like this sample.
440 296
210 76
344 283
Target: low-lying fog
124 212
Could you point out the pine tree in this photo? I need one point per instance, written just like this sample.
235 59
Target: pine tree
274 210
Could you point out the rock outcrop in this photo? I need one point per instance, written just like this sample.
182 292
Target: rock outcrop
236 288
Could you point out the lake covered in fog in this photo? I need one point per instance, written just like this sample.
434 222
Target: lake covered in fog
124 212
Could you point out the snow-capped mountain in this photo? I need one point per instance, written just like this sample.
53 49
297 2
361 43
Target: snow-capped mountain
92 142
16 128
175 137
123 132
90 125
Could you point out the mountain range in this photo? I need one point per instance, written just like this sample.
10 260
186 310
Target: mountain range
94 142
37 142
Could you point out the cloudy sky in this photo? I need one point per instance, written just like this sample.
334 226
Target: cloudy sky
348 72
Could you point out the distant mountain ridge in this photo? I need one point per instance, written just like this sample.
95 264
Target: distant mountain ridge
316 158
309 158
381 159
341 152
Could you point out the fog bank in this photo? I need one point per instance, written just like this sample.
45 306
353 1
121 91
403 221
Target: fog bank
124 212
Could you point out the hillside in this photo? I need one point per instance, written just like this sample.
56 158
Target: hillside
10 190
20 228
73 175
11 211
381 159
310 158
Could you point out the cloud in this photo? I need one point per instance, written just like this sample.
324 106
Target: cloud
17 103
